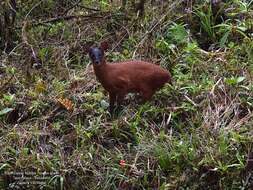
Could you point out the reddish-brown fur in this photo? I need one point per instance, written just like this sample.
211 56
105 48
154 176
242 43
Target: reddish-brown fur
122 78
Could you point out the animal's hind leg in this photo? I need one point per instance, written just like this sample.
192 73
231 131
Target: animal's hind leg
146 95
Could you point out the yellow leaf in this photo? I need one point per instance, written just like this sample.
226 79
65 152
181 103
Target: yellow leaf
66 103
40 87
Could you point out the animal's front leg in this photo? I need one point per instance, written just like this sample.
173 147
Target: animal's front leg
120 99
112 99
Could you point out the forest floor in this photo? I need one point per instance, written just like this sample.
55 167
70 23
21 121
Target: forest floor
55 128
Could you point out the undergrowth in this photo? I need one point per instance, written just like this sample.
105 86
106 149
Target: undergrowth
194 134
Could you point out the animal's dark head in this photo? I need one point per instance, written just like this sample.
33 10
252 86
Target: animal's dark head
97 54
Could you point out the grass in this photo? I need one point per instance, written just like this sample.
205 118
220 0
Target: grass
195 134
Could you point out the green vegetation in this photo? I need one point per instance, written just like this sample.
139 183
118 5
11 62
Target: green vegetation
195 134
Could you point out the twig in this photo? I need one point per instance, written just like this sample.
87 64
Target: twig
1 124
69 17
214 86
190 100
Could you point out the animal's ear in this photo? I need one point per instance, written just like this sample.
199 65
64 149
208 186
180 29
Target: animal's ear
87 47
104 45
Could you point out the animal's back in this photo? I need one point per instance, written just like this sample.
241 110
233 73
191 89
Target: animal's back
139 72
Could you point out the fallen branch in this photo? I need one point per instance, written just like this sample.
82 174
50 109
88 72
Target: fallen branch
66 18
69 17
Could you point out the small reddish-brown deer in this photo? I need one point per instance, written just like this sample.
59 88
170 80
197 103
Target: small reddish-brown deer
125 77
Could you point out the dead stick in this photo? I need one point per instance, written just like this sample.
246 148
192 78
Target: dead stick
69 17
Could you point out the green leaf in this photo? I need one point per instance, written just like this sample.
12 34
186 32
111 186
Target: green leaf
231 81
3 166
5 111
178 33
104 104
224 39
161 45
242 28
9 98
240 79
61 182
234 80
42 53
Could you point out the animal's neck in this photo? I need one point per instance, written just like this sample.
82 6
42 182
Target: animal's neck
101 71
